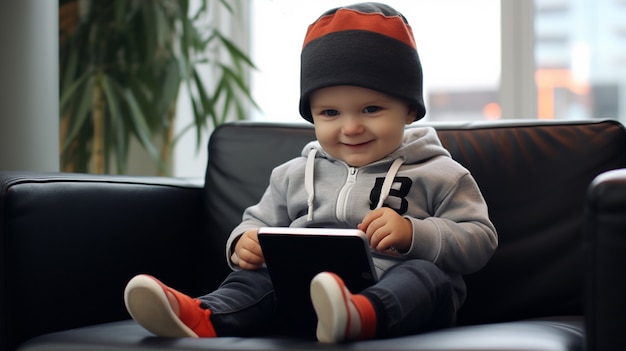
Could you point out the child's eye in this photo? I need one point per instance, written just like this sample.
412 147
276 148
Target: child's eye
330 113
371 109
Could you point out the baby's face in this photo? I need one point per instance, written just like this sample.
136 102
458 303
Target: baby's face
358 125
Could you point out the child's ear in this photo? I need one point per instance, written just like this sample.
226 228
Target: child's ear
411 113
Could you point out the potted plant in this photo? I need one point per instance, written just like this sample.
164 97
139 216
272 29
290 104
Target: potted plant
122 65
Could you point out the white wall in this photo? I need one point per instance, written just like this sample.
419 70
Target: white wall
29 85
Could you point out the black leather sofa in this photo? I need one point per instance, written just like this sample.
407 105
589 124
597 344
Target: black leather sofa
556 191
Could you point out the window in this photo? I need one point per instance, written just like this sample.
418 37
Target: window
579 57
557 59
458 42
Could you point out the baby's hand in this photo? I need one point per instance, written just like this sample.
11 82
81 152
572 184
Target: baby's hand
248 250
386 229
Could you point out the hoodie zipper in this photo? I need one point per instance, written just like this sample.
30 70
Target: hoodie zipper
342 200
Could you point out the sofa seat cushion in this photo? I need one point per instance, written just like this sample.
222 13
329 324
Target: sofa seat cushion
549 334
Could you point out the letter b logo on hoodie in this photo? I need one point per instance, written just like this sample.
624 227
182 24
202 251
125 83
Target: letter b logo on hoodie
396 200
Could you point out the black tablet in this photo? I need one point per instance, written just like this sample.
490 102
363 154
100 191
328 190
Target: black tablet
293 256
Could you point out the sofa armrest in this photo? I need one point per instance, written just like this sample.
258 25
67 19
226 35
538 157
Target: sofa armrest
605 239
70 242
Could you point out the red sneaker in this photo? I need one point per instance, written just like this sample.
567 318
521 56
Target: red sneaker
146 300
341 315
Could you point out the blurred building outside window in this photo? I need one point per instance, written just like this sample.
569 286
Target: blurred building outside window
580 55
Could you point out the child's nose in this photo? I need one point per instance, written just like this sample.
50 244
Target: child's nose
352 125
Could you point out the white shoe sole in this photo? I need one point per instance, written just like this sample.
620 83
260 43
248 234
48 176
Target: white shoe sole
147 303
330 303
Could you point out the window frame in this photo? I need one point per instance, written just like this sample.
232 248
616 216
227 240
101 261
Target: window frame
518 91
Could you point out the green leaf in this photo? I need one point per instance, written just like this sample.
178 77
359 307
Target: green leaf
206 102
235 53
119 143
140 126
168 90
70 93
233 76
82 113
226 5
184 131
120 9
70 68
145 101
161 27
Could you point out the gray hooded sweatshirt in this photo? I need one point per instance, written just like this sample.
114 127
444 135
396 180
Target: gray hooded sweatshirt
419 180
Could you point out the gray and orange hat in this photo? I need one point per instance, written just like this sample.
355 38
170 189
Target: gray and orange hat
370 45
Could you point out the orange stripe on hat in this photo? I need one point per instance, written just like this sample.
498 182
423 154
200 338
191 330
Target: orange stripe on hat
348 19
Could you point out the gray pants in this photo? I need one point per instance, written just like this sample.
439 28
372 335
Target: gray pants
411 297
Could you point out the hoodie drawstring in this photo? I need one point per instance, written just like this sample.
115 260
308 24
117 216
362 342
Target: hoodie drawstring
391 174
309 176
309 181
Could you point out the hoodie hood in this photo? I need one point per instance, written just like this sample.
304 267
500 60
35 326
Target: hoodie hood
418 145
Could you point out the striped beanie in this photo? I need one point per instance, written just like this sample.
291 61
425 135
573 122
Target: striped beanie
370 45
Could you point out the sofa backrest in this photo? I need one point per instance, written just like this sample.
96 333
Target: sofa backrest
533 175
